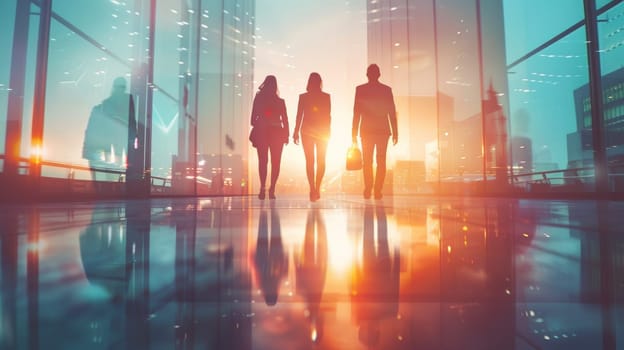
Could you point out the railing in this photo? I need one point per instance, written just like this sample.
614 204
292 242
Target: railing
569 176
570 179
158 184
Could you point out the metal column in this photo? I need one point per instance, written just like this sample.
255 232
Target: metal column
595 91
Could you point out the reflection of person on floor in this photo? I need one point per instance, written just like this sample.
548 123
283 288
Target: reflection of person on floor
103 251
311 267
114 248
271 261
111 133
375 293
103 255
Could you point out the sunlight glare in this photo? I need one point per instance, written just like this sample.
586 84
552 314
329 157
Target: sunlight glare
341 253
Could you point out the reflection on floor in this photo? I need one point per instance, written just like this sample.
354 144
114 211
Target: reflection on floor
341 273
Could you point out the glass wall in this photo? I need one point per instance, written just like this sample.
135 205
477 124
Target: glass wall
122 95
551 140
507 86
492 97
544 116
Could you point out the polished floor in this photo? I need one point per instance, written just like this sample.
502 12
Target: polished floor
341 273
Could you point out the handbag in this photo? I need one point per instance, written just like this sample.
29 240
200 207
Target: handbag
354 158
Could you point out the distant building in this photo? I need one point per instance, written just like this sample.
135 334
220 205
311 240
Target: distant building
580 152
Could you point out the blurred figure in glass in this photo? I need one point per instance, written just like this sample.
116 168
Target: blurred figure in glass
313 122
111 133
374 118
269 122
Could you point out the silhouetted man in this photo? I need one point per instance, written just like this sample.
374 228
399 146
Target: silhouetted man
374 116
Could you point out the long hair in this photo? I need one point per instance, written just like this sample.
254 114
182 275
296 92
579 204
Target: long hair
315 83
269 86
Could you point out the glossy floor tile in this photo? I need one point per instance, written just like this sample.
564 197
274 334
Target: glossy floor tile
341 273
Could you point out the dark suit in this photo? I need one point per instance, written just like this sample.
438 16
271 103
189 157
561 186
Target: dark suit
374 116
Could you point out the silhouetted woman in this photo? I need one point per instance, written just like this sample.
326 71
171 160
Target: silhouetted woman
313 119
270 122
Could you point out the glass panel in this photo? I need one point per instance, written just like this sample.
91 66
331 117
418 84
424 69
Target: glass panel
7 22
548 137
225 91
165 116
83 84
211 87
107 114
611 36
401 41
495 97
459 115
170 119
533 22
600 3
104 21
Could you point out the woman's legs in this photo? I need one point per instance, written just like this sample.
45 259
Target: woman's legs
308 150
311 143
276 158
321 151
263 158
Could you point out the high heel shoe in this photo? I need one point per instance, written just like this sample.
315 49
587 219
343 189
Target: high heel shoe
261 194
271 193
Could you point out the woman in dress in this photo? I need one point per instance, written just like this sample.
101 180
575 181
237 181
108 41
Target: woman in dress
313 122
270 123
